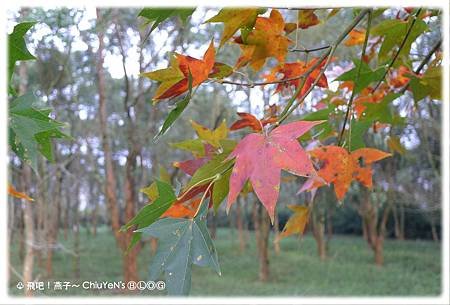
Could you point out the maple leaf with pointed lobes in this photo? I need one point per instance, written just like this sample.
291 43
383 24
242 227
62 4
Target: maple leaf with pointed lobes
260 158
355 37
174 79
235 19
307 18
212 137
340 167
297 69
266 40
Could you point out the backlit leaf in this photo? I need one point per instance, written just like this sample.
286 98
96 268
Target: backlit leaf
260 159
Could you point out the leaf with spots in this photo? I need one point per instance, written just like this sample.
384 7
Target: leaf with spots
181 243
339 167
260 158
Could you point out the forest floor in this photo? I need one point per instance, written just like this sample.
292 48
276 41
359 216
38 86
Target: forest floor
412 268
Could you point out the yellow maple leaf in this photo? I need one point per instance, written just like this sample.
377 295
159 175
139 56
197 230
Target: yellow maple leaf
212 137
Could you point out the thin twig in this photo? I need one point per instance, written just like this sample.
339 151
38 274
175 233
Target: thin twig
311 49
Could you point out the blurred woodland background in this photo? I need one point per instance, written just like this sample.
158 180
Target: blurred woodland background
87 71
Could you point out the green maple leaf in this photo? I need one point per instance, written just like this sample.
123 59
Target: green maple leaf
17 48
181 243
394 31
158 15
31 130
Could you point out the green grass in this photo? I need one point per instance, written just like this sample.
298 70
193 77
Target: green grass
412 268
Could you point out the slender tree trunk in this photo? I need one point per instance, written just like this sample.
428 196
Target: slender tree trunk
433 229
240 225
28 263
52 232
379 245
76 235
262 230
319 233
28 217
330 213
110 183
276 239
94 212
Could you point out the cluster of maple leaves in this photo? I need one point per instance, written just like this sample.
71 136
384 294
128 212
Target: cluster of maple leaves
260 156
221 168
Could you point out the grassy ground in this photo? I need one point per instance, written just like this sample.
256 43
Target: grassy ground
412 268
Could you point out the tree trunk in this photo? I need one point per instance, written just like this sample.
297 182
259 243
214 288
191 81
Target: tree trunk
433 229
110 182
28 263
262 230
28 218
52 232
94 212
76 233
319 233
240 226
276 238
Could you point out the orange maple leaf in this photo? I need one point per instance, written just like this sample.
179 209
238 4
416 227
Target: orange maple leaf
338 166
267 39
174 79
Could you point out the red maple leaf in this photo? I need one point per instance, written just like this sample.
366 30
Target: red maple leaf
261 158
